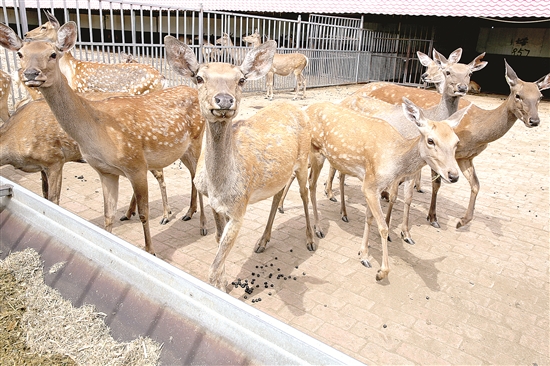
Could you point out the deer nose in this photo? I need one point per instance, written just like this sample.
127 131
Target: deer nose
462 88
534 122
453 177
31 74
224 101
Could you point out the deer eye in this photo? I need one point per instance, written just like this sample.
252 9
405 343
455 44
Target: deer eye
447 73
242 81
431 141
518 97
19 54
53 56
200 80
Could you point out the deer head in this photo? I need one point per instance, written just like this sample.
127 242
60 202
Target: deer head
255 39
47 31
526 96
222 101
439 140
457 75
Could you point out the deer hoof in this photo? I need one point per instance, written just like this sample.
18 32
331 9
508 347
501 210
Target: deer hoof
333 199
389 239
281 210
311 247
433 222
164 221
407 239
204 232
461 223
186 218
124 218
380 275
366 263
345 218
260 249
419 190
319 233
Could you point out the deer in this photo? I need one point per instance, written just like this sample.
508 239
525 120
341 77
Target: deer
210 52
376 153
5 87
284 65
243 161
87 76
117 136
480 127
32 141
237 56
452 84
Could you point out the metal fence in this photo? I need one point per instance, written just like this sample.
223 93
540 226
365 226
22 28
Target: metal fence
340 51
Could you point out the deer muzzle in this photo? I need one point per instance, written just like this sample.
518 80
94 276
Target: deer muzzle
224 105
31 78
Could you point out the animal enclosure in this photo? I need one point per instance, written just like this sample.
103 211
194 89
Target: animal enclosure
340 50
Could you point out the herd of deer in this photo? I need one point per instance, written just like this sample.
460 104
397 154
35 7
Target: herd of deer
383 134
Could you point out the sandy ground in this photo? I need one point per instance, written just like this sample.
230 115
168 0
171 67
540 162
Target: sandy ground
475 295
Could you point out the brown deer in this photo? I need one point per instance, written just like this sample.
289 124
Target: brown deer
243 161
117 136
5 87
86 76
237 55
284 64
481 127
372 150
33 141
453 84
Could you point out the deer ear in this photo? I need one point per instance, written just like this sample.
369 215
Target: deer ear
425 60
52 19
66 37
477 64
440 59
180 57
9 39
414 114
544 82
258 61
455 56
457 116
510 75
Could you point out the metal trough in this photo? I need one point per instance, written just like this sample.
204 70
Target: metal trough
143 295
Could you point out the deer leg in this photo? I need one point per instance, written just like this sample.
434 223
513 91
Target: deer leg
54 179
302 79
364 249
392 197
287 187
417 182
405 227
131 211
432 216
109 185
220 221
373 202
297 89
343 210
159 175
301 174
467 168
141 192
190 161
269 85
266 236
316 160
328 184
44 181
216 274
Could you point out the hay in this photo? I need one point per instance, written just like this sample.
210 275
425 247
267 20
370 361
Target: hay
50 326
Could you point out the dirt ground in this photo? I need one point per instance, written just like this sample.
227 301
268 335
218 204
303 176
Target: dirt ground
474 295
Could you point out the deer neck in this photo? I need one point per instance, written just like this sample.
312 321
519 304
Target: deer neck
73 112
220 154
446 107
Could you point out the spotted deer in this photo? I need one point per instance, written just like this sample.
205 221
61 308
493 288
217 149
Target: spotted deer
284 64
373 151
453 85
87 76
117 136
244 161
5 87
32 141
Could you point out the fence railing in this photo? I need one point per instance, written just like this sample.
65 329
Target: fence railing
340 51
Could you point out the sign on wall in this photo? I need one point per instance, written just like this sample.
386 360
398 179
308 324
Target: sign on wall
525 42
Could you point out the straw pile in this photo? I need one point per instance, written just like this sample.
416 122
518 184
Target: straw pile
39 327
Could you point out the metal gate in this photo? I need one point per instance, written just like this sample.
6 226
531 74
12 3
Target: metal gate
340 51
